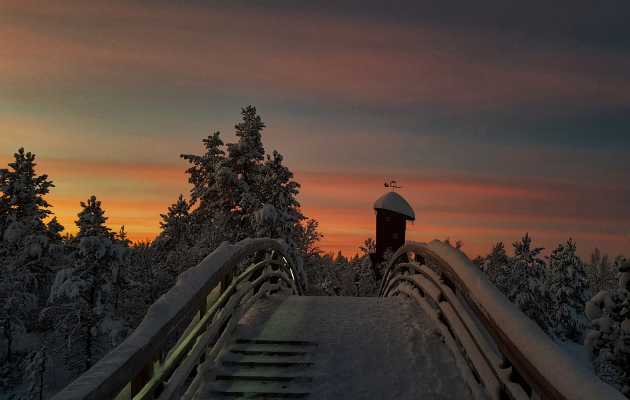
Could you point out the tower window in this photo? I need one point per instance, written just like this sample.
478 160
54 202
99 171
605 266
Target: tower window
388 218
395 236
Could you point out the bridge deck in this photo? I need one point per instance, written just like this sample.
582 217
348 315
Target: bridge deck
368 348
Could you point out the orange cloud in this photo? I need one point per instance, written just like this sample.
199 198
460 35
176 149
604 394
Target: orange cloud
446 205
478 209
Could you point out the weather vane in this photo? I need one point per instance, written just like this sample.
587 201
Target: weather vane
393 185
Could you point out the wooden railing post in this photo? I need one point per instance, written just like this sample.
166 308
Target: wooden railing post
516 377
226 281
203 308
419 259
140 380
447 281
260 255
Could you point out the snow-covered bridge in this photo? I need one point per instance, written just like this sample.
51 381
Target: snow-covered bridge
439 330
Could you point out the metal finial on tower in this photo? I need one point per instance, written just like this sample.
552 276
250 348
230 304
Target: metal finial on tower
393 185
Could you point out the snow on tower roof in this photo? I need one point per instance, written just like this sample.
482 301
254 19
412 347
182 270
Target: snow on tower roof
392 201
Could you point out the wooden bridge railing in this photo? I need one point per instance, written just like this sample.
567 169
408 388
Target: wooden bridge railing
143 368
503 350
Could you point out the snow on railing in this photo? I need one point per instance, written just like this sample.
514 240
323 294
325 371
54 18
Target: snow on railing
486 320
143 368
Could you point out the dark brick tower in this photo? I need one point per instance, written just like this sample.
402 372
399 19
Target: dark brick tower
392 214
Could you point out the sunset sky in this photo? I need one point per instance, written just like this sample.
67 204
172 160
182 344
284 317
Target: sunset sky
497 117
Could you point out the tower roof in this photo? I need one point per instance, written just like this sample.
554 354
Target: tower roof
392 201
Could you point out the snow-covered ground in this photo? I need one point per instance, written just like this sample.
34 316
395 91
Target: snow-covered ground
367 348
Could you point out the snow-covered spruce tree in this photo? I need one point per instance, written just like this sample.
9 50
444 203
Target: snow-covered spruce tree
239 195
122 283
177 228
91 221
496 263
181 244
478 261
53 231
322 275
610 312
332 275
522 283
25 250
566 282
218 191
146 278
280 210
356 277
35 365
81 305
203 177
600 273
23 191
244 157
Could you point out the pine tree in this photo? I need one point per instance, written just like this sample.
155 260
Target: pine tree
35 365
122 237
275 209
203 177
526 284
53 231
241 196
521 280
340 259
567 283
523 252
496 262
23 191
81 306
25 253
91 221
245 155
479 261
305 236
176 228
150 277
276 186
601 274
219 191
369 246
609 311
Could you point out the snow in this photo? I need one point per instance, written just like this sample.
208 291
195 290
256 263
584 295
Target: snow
559 368
435 315
158 315
392 201
367 348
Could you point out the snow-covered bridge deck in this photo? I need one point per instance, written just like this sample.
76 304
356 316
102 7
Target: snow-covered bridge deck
360 348
385 347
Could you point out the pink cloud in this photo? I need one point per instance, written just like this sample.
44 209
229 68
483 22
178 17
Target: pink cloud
292 56
459 206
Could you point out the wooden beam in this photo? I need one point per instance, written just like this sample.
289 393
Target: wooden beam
140 380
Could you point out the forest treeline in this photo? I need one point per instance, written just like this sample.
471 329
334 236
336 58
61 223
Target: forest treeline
67 300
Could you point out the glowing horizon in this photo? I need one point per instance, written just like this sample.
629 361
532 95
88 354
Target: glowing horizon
495 121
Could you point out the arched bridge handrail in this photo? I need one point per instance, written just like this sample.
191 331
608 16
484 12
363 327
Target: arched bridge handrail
137 355
536 361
